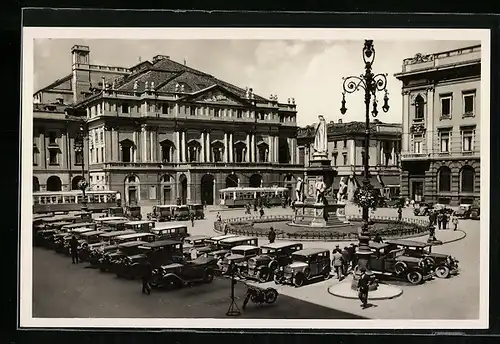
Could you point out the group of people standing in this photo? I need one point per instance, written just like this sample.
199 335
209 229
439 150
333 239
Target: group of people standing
441 219
343 259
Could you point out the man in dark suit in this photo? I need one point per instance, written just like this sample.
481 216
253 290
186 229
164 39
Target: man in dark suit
146 277
73 245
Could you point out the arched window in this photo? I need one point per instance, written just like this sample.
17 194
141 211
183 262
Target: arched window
419 107
240 150
36 184
127 150
444 179
217 151
467 179
263 149
54 184
194 151
167 151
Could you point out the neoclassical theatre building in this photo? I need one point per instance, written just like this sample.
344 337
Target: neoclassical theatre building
162 130
441 126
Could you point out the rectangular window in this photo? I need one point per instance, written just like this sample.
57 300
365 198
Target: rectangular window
152 192
78 157
125 108
302 154
192 111
334 159
239 114
101 136
446 106
35 156
334 144
417 144
217 113
469 99
102 154
52 138
164 109
444 141
345 143
344 156
53 157
467 140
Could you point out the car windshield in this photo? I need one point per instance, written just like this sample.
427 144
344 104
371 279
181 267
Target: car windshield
268 250
299 258
240 252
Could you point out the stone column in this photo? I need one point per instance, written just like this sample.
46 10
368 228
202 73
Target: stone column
231 147
276 149
226 156
430 119
247 154
271 149
202 139
405 137
381 152
183 143
177 147
393 153
144 145
152 146
108 144
208 150
351 144
253 148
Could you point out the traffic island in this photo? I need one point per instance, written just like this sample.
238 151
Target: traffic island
384 292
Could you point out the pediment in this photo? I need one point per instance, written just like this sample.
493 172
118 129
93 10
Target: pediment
217 95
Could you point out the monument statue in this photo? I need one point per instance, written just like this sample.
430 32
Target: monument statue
298 190
320 190
320 139
342 190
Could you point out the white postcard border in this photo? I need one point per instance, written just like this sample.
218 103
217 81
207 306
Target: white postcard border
26 318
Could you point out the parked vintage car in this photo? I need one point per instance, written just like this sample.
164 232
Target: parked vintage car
167 231
63 245
197 210
423 209
103 219
213 242
238 257
389 262
475 213
115 211
181 212
133 212
86 239
272 257
463 211
197 244
140 225
107 243
162 213
307 264
229 243
146 237
110 259
176 275
443 265
156 253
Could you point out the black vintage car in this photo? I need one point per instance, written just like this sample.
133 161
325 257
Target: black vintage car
443 265
86 239
180 274
157 253
107 242
111 259
272 257
133 212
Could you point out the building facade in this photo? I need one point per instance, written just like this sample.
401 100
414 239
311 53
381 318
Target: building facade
346 151
161 130
441 132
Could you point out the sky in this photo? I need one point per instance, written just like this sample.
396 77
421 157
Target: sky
309 71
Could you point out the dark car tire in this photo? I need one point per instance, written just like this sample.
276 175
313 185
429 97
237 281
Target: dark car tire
414 277
298 280
430 261
277 277
171 283
263 276
270 295
326 274
400 268
208 277
442 271
307 273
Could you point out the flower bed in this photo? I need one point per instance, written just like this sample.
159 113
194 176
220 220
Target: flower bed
392 229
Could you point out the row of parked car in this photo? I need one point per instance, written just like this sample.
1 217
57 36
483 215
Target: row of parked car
464 211
122 247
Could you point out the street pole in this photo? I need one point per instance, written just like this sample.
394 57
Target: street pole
80 145
370 83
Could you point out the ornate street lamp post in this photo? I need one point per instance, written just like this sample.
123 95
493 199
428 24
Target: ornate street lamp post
371 84
79 146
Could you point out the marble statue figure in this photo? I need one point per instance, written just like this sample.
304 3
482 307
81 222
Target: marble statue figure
320 139
342 190
320 190
298 190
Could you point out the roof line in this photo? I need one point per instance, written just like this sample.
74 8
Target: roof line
177 74
55 83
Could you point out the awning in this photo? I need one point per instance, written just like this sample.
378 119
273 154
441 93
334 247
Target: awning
391 181
373 181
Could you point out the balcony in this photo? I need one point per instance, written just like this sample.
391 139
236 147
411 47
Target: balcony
437 155
192 165
414 156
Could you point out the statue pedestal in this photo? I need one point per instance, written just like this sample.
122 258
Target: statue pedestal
341 212
320 160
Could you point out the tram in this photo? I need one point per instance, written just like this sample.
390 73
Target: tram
240 196
66 201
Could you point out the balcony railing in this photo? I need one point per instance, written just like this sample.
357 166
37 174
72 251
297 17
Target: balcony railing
192 165
439 155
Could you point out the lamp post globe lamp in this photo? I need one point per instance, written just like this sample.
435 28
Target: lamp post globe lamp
371 84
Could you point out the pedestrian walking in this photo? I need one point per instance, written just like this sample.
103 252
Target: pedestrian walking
363 287
146 277
412 202
219 218
439 220
400 213
272 235
73 246
336 249
191 216
345 260
445 220
337 263
378 239
454 220
261 211
432 233
226 228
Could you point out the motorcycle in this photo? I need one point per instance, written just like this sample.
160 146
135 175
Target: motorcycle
260 296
